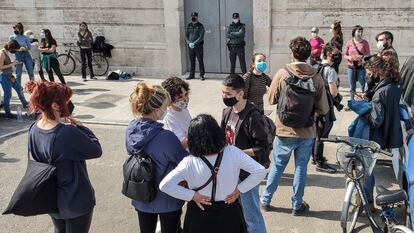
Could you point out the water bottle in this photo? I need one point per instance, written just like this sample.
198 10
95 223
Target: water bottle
19 114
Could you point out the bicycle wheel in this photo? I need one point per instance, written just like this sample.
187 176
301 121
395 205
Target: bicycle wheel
400 229
100 65
351 208
67 64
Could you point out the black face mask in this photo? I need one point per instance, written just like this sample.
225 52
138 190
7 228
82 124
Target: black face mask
16 32
336 58
229 102
193 19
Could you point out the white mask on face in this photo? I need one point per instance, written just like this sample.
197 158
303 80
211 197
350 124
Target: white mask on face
235 20
358 34
314 34
182 104
380 45
330 30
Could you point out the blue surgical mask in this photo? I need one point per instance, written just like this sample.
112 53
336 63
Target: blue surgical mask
261 67
42 35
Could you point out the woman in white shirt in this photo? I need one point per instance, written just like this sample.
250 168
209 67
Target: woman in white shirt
214 201
178 117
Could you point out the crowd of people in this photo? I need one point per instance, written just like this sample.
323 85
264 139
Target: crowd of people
24 49
215 168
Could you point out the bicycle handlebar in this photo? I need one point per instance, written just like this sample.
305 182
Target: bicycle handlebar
358 146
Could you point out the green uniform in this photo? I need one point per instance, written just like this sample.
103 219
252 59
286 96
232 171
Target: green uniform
235 33
194 33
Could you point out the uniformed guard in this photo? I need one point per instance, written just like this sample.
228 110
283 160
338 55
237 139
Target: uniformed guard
195 40
235 33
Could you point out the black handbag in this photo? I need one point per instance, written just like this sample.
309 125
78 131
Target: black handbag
37 191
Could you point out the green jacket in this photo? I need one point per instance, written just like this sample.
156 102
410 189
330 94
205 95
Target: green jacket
194 33
235 33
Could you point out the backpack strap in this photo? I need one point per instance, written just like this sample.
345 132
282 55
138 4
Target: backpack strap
214 170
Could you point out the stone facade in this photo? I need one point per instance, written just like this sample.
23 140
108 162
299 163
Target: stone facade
149 35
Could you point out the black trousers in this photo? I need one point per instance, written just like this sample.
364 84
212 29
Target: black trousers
76 225
237 51
197 51
170 222
54 67
86 53
322 131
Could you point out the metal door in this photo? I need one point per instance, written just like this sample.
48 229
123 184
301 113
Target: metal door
208 15
245 9
216 15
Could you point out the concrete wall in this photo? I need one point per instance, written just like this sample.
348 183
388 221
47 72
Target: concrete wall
149 37
290 18
136 28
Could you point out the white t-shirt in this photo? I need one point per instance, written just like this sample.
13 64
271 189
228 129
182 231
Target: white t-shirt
177 122
193 170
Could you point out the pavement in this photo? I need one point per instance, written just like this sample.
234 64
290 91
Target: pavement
104 107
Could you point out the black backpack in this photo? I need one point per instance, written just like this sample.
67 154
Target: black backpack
296 102
139 183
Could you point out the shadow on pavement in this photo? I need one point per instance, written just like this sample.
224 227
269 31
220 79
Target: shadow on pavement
7 160
88 91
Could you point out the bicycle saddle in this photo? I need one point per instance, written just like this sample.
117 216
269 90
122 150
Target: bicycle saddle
386 197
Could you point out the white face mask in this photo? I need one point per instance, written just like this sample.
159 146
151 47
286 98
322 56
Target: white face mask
330 30
31 37
314 34
235 20
380 45
358 35
182 104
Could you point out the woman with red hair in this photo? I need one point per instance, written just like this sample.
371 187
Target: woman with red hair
65 144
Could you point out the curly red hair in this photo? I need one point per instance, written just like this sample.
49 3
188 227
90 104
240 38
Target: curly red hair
44 94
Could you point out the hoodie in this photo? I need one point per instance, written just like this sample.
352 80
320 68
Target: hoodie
164 148
303 71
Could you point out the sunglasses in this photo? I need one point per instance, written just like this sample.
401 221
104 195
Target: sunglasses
314 31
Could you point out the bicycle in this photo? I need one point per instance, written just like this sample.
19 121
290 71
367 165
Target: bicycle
357 158
68 65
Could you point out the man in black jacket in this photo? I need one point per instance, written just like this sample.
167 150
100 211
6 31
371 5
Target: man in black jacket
244 128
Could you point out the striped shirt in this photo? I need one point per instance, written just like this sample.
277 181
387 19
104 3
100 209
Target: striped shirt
255 88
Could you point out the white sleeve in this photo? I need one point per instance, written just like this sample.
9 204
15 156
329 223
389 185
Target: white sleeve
169 184
257 172
170 125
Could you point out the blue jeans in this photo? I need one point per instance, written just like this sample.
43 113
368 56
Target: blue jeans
251 210
353 76
27 60
283 147
369 181
7 86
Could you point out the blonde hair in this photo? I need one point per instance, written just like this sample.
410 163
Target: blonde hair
145 99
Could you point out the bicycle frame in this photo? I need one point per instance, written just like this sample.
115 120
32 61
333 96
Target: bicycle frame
71 52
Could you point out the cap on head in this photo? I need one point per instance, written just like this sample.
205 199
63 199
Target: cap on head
194 14
236 15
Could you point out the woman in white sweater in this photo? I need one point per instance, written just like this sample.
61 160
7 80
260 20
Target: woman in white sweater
211 177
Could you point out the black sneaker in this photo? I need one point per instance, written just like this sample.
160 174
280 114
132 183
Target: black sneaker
202 77
94 78
325 167
304 207
10 116
189 77
264 207
84 80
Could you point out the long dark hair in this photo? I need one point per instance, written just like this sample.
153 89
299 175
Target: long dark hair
205 137
87 29
337 32
48 40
